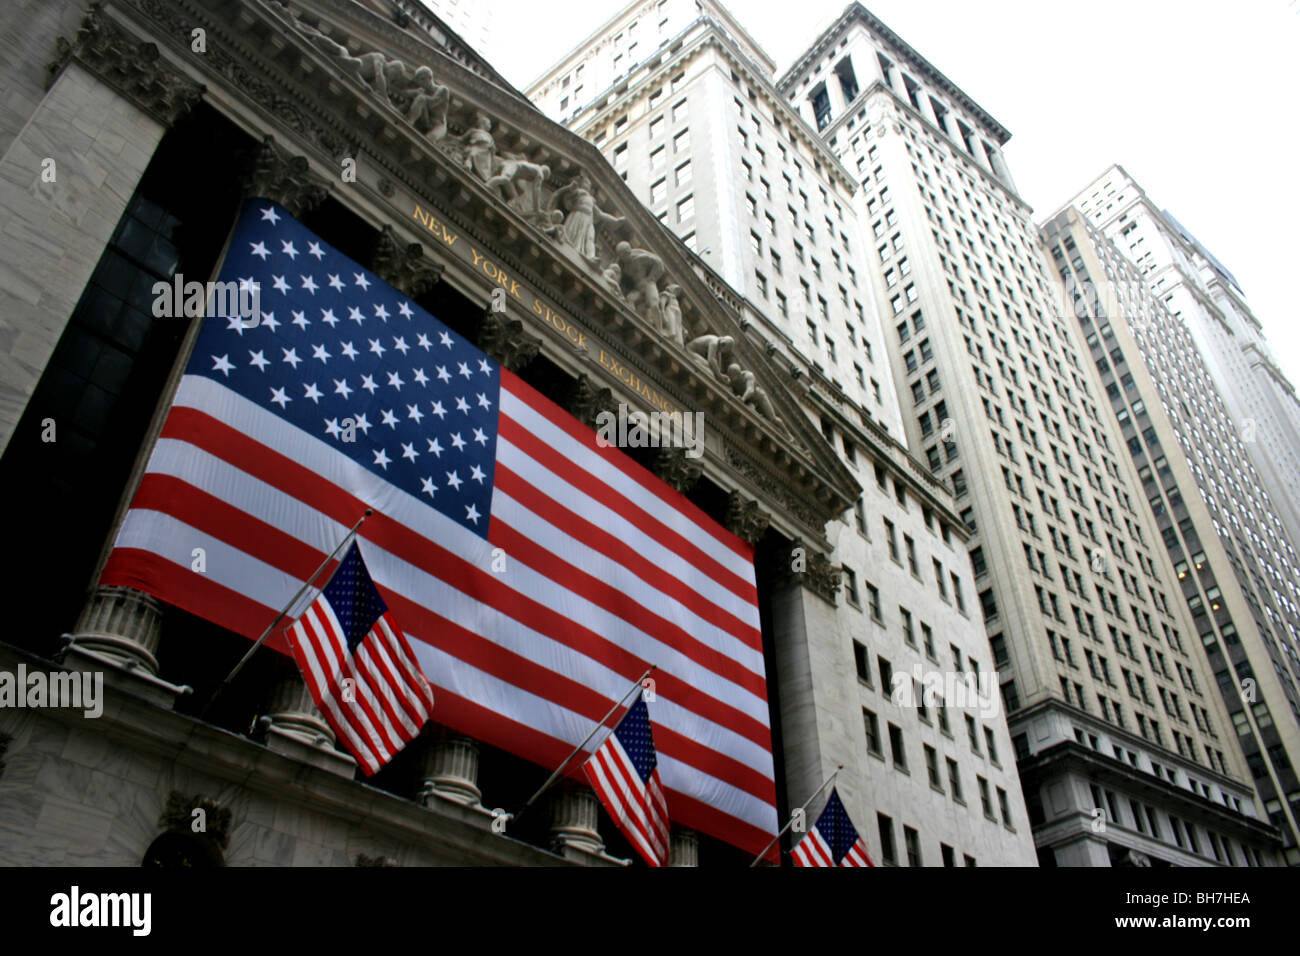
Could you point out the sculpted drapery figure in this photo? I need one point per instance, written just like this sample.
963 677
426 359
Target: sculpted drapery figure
480 147
577 201
519 181
670 312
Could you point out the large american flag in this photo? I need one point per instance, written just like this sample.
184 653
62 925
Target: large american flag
358 667
625 775
832 841
535 572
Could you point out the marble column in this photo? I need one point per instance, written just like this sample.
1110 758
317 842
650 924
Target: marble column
684 847
118 634
295 728
450 765
575 814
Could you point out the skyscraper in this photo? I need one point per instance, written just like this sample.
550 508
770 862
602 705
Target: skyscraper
1199 290
683 103
1110 709
1209 503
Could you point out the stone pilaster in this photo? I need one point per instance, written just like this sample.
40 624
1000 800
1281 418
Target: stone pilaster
295 728
118 633
505 340
404 265
450 764
684 847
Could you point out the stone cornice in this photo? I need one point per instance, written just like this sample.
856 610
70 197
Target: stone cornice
856 11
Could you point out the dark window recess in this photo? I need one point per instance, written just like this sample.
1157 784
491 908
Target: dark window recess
106 374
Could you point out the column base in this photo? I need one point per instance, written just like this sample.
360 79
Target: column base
124 675
317 753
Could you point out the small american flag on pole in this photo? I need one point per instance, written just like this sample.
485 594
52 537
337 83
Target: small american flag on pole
358 667
832 841
624 772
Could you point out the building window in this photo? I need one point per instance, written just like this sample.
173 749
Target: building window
872 727
886 827
685 208
873 602
683 173
954 780
896 748
913 846
682 141
932 767
658 191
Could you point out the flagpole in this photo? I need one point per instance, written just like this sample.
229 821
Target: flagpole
792 816
283 612
578 749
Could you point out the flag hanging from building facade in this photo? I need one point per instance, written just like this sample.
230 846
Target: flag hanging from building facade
624 772
534 571
832 841
358 667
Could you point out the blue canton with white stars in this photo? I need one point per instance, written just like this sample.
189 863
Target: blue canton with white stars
836 828
633 732
338 352
353 598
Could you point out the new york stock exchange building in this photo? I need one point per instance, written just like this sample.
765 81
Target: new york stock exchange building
431 254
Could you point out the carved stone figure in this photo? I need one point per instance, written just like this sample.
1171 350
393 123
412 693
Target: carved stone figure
582 215
613 278
428 109
670 312
519 181
709 350
747 389
480 147
643 270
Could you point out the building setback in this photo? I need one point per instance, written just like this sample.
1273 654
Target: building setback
1124 750
1208 502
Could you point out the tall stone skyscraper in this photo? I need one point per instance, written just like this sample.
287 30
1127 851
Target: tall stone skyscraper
1209 503
861 207
1114 721
1198 289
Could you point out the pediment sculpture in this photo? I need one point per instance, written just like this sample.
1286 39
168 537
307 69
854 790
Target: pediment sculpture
571 215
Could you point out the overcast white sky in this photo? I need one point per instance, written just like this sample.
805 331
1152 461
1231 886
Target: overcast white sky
1196 99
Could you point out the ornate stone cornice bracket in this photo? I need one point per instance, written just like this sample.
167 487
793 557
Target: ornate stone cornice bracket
814 570
134 68
586 401
274 174
745 519
505 340
405 265
674 467
179 816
